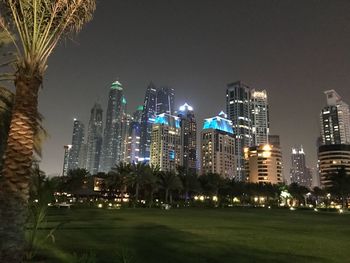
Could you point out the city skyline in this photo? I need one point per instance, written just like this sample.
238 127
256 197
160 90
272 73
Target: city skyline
311 64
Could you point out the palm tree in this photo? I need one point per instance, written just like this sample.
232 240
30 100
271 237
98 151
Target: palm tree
189 181
6 96
338 183
137 178
151 182
120 175
39 25
169 181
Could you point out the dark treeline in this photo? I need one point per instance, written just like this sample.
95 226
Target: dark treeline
146 186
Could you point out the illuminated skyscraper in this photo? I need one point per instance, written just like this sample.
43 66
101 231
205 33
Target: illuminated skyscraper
147 119
94 139
188 138
299 173
113 140
137 116
165 100
239 109
127 120
133 140
263 164
217 146
166 142
260 117
77 142
67 149
335 120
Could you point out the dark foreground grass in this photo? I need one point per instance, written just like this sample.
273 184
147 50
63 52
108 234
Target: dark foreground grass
201 235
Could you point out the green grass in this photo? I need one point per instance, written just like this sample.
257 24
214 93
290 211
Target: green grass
201 235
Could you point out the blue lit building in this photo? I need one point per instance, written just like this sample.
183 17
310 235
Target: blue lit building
165 147
149 111
218 147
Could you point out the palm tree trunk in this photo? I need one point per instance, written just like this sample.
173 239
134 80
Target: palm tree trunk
136 194
166 195
14 185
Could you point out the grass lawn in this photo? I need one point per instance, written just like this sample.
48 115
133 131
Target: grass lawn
201 235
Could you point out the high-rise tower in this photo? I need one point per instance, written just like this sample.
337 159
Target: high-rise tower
165 100
188 138
133 139
148 116
238 106
165 142
335 120
94 139
67 149
112 149
299 173
77 142
260 117
217 146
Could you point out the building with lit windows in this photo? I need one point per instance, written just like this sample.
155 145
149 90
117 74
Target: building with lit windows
133 140
76 150
94 139
188 138
335 120
165 147
67 149
263 164
299 173
331 158
218 147
260 117
239 109
165 100
113 137
149 113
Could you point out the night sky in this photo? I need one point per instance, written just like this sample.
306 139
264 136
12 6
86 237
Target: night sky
293 49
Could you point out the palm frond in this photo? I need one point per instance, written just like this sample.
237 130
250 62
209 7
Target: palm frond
40 24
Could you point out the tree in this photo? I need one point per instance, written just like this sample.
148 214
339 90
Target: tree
137 178
39 25
75 180
169 181
189 181
298 192
119 176
318 193
338 183
211 183
151 182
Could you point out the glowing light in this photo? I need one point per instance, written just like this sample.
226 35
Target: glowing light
215 198
99 205
186 107
341 211
168 120
218 123
201 198
117 85
267 147
292 208
316 210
